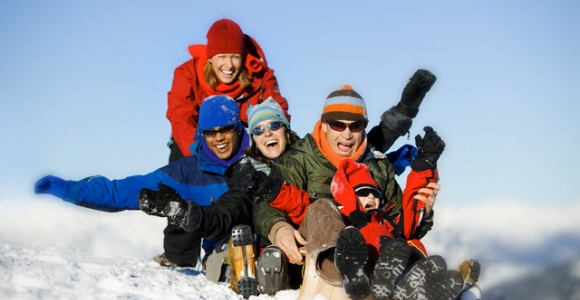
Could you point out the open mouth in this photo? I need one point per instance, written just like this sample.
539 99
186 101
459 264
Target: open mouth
369 206
344 147
222 147
271 144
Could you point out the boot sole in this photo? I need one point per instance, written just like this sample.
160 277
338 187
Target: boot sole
272 277
422 279
350 258
389 266
242 260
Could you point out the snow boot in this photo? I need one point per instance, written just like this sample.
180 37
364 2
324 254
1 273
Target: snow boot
421 280
390 264
162 260
272 271
242 259
455 283
350 258
469 270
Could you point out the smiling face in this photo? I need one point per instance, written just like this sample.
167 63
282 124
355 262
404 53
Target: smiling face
224 142
345 142
226 67
368 202
271 143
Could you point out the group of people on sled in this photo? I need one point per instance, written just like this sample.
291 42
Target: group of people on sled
243 187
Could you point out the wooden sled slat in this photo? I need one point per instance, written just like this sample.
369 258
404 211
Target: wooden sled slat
313 285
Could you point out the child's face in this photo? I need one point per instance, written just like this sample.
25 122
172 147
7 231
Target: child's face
368 202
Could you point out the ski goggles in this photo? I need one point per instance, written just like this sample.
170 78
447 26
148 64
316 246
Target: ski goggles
366 191
273 126
353 127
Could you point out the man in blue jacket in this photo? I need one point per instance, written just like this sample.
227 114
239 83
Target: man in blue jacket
220 141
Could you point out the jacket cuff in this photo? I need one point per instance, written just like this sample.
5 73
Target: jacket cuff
275 228
396 121
74 191
192 219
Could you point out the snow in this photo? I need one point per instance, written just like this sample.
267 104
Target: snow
50 249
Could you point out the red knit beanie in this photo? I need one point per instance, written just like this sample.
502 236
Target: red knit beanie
344 104
351 177
224 36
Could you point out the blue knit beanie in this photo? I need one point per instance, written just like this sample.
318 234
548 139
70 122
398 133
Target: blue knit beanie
219 111
267 110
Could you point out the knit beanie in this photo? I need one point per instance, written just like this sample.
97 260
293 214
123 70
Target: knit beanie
225 36
267 110
219 111
344 104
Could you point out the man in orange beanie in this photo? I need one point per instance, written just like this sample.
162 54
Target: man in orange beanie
310 166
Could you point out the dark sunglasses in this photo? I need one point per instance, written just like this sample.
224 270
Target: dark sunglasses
211 133
353 127
365 192
259 130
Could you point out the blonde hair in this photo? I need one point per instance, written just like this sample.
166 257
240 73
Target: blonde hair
243 78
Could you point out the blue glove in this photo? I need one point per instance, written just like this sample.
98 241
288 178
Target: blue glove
53 185
402 158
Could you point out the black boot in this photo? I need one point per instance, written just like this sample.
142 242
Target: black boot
350 258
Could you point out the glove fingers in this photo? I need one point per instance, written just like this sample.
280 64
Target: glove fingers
144 199
42 185
165 188
424 79
419 141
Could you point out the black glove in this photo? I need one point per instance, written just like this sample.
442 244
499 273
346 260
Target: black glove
244 176
165 202
429 148
415 91
266 188
358 219
241 175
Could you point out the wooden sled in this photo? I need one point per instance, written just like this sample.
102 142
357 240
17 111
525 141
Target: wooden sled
313 285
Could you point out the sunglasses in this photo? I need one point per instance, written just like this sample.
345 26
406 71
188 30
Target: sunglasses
353 127
365 192
274 126
211 133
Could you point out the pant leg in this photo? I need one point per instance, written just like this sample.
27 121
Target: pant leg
181 247
212 265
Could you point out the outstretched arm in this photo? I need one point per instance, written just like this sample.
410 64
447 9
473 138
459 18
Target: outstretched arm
232 208
397 120
98 192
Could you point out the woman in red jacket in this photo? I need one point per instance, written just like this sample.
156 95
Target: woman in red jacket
233 64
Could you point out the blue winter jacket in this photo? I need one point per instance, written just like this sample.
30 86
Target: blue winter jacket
194 177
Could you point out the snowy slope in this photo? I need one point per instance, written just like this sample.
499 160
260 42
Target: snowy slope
54 250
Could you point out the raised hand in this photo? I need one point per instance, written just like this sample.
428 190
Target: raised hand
414 92
429 148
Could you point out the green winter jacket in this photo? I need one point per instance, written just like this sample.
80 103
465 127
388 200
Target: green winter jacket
306 167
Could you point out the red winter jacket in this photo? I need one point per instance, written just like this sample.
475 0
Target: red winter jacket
412 214
189 89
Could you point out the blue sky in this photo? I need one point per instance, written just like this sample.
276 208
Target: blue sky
83 84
